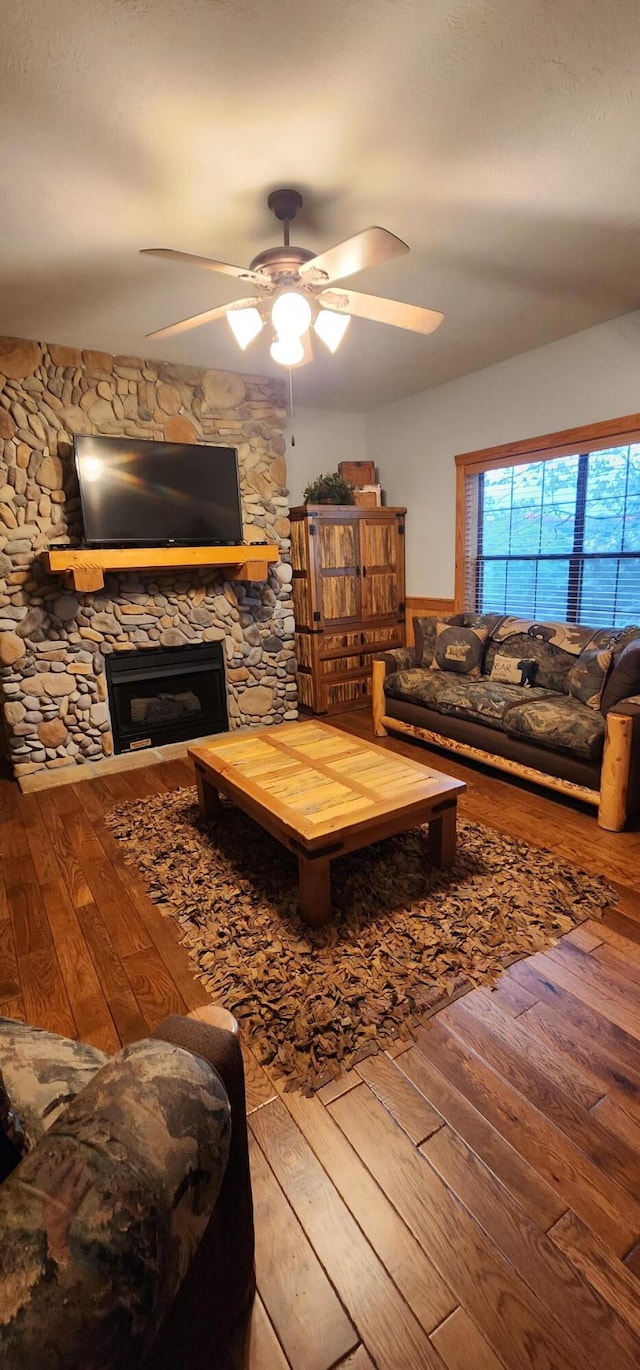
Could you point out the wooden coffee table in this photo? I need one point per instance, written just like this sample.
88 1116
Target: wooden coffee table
322 793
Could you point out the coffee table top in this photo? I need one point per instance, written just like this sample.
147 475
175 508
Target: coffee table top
315 780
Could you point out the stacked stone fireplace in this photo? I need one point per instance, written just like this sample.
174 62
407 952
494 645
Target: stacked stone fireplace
54 642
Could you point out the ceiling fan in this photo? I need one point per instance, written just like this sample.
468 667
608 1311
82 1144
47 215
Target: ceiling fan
292 290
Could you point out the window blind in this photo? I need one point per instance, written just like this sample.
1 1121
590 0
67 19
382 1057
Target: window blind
556 537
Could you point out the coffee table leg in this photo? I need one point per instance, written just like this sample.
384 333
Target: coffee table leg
208 797
442 837
314 884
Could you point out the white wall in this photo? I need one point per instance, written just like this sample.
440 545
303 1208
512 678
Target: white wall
589 376
323 438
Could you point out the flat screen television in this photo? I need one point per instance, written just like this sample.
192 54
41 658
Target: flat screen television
149 494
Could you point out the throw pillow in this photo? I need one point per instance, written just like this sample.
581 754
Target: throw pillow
12 1140
459 649
425 631
586 680
624 680
508 670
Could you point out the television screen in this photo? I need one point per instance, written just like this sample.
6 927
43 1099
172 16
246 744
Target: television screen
149 493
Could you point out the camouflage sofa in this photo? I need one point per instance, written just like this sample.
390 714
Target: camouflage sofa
574 726
126 1221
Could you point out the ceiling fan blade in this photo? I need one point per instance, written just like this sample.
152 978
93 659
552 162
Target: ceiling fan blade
196 320
411 316
369 248
209 263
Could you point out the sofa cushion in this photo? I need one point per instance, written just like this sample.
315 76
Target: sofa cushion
483 701
416 684
586 680
425 631
572 638
553 664
43 1072
488 621
623 636
459 650
559 722
553 644
624 679
513 671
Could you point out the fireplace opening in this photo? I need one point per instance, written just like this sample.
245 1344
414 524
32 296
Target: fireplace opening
166 695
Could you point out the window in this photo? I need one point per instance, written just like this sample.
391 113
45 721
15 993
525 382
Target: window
552 534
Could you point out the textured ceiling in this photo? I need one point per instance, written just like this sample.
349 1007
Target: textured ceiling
500 138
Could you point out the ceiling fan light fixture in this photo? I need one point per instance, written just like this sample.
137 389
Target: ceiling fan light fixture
294 290
331 327
287 351
291 314
245 324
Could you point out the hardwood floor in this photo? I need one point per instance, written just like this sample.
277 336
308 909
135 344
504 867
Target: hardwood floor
467 1202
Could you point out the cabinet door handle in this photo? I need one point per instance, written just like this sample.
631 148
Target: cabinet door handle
357 570
364 570
361 660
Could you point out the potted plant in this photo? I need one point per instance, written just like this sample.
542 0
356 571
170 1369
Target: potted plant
329 489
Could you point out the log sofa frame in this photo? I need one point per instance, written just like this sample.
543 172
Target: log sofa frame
611 800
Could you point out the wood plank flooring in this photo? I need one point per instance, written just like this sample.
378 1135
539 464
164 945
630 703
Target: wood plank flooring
470 1201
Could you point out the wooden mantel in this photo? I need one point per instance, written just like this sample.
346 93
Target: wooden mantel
84 567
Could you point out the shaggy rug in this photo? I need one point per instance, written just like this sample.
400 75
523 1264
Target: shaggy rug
406 939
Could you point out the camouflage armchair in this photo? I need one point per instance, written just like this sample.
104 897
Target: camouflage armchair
127 1228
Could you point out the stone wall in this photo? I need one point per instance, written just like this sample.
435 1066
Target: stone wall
53 642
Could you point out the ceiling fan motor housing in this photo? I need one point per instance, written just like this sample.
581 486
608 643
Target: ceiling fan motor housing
281 264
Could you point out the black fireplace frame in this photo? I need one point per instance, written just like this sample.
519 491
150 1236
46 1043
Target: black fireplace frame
127 668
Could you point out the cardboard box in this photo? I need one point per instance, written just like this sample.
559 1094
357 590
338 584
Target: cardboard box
358 472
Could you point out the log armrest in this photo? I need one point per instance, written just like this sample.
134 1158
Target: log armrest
101 1219
620 776
396 659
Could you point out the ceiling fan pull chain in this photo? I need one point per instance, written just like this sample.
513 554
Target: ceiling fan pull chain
293 436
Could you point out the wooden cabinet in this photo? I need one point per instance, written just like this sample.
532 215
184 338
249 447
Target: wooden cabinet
348 597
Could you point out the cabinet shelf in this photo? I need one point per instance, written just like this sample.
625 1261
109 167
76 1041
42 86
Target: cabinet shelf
84 567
